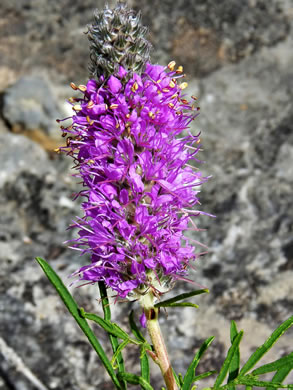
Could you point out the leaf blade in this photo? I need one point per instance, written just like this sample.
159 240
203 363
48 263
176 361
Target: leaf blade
286 361
176 304
235 362
258 354
226 365
183 296
250 381
189 376
135 380
280 375
74 311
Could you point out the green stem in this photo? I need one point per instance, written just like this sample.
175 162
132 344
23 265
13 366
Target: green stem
113 339
162 358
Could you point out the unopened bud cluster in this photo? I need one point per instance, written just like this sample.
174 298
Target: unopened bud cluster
117 38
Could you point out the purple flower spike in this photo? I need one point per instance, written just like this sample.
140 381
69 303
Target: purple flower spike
130 143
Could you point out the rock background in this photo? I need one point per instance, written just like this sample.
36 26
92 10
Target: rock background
239 60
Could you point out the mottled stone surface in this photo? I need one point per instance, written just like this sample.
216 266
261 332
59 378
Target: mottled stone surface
239 59
29 104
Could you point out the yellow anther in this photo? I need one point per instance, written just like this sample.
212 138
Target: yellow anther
77 107
151 115
134 87
73 86
88 119
183 85
117 125
171 105
57 150
179 69
166 90
158 82
172 84
82 88
171 65
184 101
174 96
91 161
193 97
159 92
90 104
198 141
72 100
113 106
127 116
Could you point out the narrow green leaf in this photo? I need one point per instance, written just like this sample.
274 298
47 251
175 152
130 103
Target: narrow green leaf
145 367
280 375
286 361
250 381
179 304
118 352
108 326
135 380
74 311
180 377
113 338
177 380
258 354
226 365
204 375
121 332
144 360
235 362
182 296
189 376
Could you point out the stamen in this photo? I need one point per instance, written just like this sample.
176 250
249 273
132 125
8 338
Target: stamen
82 88
171 65
172 84
77 108
134 88
183 85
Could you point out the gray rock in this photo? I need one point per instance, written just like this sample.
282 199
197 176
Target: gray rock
19 154
30 104
200 35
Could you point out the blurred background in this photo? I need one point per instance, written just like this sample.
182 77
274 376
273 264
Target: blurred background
238 59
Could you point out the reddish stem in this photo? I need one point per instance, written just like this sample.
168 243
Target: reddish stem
162 358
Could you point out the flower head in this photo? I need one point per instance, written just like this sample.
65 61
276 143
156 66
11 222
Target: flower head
131 147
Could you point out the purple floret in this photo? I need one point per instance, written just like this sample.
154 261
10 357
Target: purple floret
139 186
